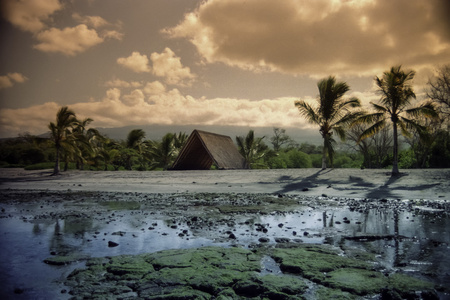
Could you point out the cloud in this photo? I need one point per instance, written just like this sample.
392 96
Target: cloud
98 22
112 34
32 119
319 37
29 15
93 21
121 83
135 62
154 88
7 81
166 64
155 105
69 41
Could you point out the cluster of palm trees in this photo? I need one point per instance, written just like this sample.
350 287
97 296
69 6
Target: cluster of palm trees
332 112
335 115
73 142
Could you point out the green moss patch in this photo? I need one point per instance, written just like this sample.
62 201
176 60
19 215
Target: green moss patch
312 262
234 273
357 281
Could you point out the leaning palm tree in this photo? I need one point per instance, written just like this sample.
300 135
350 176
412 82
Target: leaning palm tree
65 120
136 147
396 95
332 113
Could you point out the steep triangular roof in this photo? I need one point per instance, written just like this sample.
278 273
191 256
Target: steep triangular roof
202 149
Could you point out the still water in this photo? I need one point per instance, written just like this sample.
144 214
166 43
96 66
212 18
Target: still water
414 241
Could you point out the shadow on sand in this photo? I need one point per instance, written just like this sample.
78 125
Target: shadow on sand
353 185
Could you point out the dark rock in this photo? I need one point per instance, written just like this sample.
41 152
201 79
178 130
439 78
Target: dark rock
282 240
112 244
264 240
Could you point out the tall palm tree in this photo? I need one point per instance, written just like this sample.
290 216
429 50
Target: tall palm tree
332 113
60 130
396 95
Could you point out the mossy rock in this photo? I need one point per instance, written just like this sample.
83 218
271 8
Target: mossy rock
181 293
173 274
129 266
313 262
357 281
324 293
285 284
407 287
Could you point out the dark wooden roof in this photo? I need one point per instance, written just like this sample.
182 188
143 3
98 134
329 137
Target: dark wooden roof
202 149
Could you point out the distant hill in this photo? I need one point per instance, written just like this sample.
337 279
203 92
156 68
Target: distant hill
155 132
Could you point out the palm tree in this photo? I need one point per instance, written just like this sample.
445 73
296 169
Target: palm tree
332 113
135 144
65 120
251 148
396 95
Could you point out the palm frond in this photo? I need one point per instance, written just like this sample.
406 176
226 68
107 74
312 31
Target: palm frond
370 118
373 129
426 109
340 132
380 108
307 111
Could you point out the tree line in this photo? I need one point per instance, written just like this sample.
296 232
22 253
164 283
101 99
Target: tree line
369 139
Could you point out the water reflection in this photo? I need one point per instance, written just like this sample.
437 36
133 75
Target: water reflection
414 241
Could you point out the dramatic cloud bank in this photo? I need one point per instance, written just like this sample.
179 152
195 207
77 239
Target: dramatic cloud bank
153 104
319 37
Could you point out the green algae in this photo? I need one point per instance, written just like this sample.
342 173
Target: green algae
234 273
312 262
324 293
356 281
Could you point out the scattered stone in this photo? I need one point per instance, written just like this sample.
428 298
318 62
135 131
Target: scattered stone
121 233
263 240
112 244
282 240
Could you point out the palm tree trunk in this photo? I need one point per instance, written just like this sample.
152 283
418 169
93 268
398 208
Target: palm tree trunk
56 168
324 153
395 154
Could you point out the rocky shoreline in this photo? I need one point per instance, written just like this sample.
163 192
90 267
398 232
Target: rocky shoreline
232 245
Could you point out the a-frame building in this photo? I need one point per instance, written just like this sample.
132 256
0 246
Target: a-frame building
203 149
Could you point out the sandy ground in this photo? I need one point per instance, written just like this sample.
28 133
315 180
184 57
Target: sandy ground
432 184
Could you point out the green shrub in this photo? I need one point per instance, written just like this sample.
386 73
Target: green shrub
298 159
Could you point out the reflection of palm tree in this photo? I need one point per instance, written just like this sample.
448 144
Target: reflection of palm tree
396 96
65 120
332 113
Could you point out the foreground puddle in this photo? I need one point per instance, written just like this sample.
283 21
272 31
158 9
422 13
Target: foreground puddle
407 238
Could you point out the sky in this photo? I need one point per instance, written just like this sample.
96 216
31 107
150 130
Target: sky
240 63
